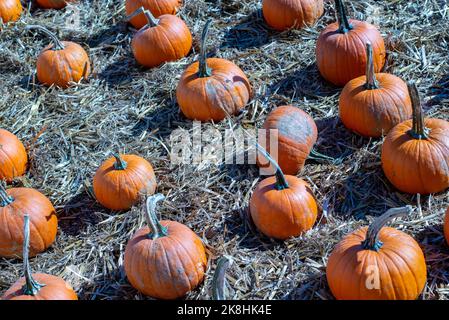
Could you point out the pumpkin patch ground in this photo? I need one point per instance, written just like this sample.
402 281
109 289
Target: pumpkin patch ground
125 108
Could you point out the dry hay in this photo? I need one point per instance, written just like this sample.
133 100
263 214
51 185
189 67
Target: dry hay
124 107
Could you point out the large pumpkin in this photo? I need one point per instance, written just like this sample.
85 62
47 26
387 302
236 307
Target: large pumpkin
415 153
165 259
14 204
122 180
156 7
377 263
286 14
13 156
39 286
53 4
212 89
340 49
10 10
446 226
161 40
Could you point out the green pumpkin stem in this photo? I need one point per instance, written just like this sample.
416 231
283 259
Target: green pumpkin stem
281 182
203 70
151 20
371 81
218 281
372 241
5 199
31 286
157 229
343 22
58 45
119 164
317 156
419 130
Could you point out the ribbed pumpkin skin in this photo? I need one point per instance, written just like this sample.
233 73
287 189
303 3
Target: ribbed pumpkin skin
53 4
205 98
121 189
446 226
402 267
282 214
60 67
286 14
43 221
417 166
341 57
55 289
13 156
10 10
297 133
372 113
170 40
156 7
167 267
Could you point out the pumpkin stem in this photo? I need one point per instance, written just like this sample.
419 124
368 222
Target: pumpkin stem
281 182
419 130
119 164
31 286
342 16
58 45
218 281
5 199
152 21
315 155
372 241
203 70
371 82
157 230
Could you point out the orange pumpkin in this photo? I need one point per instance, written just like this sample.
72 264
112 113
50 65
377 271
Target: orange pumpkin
285 14
415 153
156 7
122 179
166 259
377 263
14 204
39 286
212 89
446 226
61 63
53 4
373 104
13 156
10 10
340 49
161 40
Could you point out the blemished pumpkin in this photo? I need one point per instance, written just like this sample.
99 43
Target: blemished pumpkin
13 156
340 48
446 226
164 260
415 153
122 180
10 10
53 4
212 89
286 14
373 104
377 263
39 286
219 279
156 7
14 204
61 63
161 40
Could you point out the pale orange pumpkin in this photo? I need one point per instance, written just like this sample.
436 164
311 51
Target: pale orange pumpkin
13 156
10 10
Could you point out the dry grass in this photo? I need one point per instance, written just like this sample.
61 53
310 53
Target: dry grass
125 107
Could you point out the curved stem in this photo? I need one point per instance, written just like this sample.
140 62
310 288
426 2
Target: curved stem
58 45
342 16
151 20
372 241
5 199
157 230
218 281
419 130
371 82
31 286
315 155
203 70
281 182
119 164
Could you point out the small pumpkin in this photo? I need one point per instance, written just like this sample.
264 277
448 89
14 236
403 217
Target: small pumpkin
165 259
39 286
53 4
122 179
340 48
377 263
219 279
415 153
14 204
156 7
286 14
160 40
446 226
13 156
373 104
10 10
61 63
212 89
